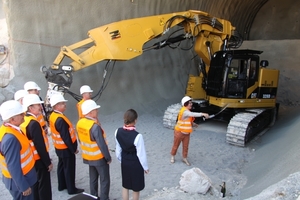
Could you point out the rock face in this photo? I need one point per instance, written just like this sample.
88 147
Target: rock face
287 188
6 74
194 181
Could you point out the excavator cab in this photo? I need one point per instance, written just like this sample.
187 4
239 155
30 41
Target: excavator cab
231 73
239 82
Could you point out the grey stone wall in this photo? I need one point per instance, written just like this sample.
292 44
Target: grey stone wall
282 55
277 20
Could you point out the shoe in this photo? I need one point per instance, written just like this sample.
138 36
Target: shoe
77 191
186 161
172 159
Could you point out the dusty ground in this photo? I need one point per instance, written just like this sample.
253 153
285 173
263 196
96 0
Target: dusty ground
209 152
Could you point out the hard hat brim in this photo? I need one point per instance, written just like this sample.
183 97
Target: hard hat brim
94 108
53 104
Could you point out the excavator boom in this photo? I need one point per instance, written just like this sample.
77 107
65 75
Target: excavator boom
124 40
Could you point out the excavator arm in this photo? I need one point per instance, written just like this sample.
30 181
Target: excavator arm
124 40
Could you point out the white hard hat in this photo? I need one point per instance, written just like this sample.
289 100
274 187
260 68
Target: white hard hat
85 88
89 105
20 94
30 85
31 99
185 99
57 98
11 108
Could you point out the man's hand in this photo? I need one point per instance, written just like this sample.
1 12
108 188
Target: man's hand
27 192
205 115
76 152
50 167
48 131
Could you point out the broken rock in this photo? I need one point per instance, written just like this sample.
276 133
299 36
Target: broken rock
194 181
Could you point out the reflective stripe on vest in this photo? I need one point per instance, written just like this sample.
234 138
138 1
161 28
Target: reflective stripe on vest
79 109
23 126
26 155
184 125
57 140
90 149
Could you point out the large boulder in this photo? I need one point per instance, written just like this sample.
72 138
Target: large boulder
194 181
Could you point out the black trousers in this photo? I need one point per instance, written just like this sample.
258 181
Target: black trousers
43 186
66 173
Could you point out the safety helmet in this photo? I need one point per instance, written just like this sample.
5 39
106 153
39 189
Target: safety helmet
57 98
20 94
85 88
185 99
11 108
30 85
31 99
89 105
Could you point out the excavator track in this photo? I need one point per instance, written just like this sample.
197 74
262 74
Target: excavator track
244 126
170 115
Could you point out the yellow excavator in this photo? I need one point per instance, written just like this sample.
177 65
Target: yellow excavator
232 85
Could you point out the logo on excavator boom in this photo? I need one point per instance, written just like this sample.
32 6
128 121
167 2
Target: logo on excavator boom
115 34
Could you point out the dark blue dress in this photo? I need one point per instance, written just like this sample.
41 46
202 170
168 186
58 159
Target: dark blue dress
131 168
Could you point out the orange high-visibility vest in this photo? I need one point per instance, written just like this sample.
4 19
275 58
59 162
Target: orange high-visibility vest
57 140
90 149
23 126
79 109
41 120
26 156
184 125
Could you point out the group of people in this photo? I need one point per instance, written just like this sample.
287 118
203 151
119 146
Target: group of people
24 146
130 149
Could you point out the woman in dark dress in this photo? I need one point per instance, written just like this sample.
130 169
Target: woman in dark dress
130 151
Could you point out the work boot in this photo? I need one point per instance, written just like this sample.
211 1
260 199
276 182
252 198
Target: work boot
186 161
172 159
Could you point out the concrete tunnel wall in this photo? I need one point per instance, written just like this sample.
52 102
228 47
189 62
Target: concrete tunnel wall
151 82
